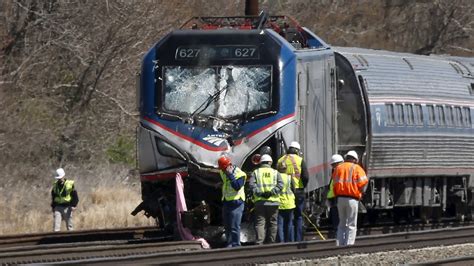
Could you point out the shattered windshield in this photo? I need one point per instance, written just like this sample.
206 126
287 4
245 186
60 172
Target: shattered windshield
243 89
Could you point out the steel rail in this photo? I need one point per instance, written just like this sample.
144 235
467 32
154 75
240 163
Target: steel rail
59 253
135 236
299 251
81 236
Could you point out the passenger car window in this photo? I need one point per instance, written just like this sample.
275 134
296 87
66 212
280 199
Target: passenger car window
441 116
431 115
410 114
399 114
390 114
418 114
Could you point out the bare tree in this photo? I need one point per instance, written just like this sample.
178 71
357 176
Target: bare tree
68 75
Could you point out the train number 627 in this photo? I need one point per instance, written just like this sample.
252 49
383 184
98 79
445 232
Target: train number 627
244 52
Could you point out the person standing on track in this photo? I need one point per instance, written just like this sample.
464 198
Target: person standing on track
350 181
64 200
286 208
233 199
266 185
296 168
331 200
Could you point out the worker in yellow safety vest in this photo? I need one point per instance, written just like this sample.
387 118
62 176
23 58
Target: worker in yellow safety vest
287 206
233 199
64 200
296 167
266 184
331 202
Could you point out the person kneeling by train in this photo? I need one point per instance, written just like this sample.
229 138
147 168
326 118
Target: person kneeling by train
350 181
266 185
233 199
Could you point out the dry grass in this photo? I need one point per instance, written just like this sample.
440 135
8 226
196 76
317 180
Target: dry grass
102 207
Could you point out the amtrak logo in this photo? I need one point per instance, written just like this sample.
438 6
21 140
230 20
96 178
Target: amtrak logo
216 140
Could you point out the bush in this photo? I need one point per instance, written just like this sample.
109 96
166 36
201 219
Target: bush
122 151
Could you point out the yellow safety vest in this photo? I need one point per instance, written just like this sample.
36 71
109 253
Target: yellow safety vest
287 198
330 194
228 192
265 181
293 168
60 198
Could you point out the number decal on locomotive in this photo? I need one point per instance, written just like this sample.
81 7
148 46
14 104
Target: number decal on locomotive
244 52
187 53
217 52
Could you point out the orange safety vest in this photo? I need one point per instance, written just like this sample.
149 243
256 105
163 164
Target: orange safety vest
349 179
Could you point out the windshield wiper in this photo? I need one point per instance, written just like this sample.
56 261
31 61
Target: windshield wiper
207 102
212 97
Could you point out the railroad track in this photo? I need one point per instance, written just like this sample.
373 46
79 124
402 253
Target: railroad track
190 252
307 250
136 233
61 253
147 244
388 228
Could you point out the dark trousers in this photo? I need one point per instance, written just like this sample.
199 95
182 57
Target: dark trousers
334 217
300 201
232 215
285 225
266 223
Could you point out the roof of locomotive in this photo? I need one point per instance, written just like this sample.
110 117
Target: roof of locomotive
392 75
287 27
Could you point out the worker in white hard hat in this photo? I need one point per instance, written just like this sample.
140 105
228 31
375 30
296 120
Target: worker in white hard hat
296 167
331 202
350 181
266 184
64 200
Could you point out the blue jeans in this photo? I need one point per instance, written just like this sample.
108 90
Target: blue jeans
300 200
285 225
232 215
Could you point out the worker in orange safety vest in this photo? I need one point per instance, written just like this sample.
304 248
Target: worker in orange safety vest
350 181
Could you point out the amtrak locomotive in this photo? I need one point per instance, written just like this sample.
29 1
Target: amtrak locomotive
230 85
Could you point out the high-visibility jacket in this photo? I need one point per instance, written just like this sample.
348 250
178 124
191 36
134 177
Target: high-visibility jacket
330 194
63 195
293 168
265 181
287 198
349 180
228 192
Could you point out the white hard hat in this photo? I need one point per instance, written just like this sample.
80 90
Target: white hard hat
336 158
59 173
266 158
295 144
353 154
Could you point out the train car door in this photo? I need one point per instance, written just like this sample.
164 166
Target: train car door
351 110
315 117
